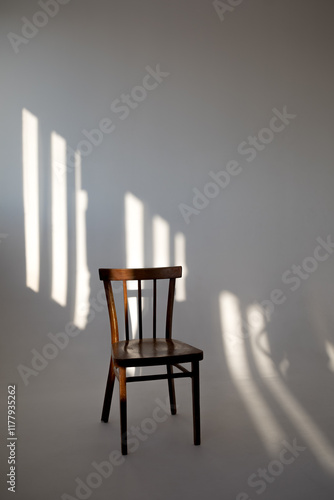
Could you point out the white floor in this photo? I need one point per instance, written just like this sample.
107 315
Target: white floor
269 437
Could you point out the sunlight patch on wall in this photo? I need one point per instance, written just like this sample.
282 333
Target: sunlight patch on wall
180 260
330 353
31 198
134 231
82 288
263 419
134 245
59 220
161 242
310 433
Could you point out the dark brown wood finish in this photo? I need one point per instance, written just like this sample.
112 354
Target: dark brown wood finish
153 352
126 310
112 311
123 409
148 352
154 308
108 393
196 405
140 320
171 389
170 306
147 273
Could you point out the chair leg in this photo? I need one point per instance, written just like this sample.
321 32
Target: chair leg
171 390
108 393
196 404
122 394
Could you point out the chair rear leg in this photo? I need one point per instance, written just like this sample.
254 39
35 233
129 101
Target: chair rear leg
108 393
123 417
196 402
171 390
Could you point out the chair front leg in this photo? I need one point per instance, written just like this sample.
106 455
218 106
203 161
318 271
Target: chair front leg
171 390
123 417
108 393
196 402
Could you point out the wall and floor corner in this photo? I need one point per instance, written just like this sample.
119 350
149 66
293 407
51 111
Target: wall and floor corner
147 133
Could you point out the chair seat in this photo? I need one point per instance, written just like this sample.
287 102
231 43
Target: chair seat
151 352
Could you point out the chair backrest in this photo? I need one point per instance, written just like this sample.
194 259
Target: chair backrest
139 275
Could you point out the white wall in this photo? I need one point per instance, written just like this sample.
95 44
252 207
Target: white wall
225 78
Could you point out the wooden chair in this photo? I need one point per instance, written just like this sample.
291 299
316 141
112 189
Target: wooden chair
147 352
